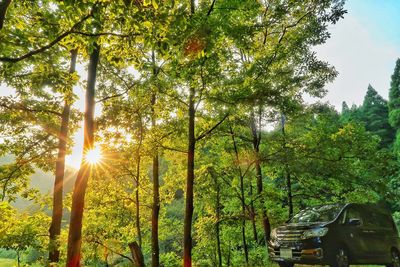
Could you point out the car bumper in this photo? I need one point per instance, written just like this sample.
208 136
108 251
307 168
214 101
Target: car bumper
301 253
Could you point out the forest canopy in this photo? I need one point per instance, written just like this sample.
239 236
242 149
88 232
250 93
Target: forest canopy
204 141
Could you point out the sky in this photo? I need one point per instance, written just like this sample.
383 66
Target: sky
363 48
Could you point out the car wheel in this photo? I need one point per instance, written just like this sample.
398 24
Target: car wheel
340 258
395 259
285 264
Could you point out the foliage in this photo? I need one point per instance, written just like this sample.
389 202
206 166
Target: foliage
193 83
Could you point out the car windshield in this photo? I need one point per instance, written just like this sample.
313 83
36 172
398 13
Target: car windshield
325 213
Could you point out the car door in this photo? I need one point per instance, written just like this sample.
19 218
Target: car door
373 235
352 234
384 235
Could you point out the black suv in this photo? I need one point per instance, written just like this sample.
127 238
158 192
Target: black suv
337 235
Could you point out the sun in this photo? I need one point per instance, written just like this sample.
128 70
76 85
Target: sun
93 156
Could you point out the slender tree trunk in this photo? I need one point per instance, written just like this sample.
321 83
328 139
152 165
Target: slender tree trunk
245 249
218 217
256 146
187 224
155 257
18 258
78 196
187 231
137 200
253 215
136 254
287 172
55 227
289 193
242 197
3 10
155 250
265 219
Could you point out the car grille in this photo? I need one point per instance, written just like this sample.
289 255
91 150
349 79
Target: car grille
289 235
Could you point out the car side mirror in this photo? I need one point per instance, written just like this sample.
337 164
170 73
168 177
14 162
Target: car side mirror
354 222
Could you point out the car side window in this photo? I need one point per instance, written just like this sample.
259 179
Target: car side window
353 213
385 220
371 219
377 219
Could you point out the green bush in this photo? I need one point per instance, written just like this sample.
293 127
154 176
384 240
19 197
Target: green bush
8 253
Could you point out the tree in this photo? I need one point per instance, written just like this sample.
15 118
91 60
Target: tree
19 231
78 197
375 116
55 228
394 101
331 161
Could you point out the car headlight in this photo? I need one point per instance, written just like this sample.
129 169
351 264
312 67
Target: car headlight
317 232
273 234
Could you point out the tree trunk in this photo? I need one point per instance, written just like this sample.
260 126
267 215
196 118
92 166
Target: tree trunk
137 201
287 172
218 217
187 231
155 257
187 224
265 219
155 250
3 10
253 215
256 146
289 193
55 227
18 258
78 197
242 196
136 254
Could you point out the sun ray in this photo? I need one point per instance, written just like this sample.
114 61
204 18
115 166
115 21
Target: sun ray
93 156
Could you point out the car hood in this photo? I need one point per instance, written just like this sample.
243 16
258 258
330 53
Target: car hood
301 226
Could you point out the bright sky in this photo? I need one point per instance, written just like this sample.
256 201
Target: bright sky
363 48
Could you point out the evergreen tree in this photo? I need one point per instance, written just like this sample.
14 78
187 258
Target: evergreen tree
374 113
394 101
345 107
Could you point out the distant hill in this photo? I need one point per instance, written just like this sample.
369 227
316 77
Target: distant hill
43 181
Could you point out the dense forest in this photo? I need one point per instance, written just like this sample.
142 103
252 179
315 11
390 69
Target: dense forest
206 140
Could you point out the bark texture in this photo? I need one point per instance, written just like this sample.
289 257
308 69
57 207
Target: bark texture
55 227
187 231
256 132
155 251
136 254
78 196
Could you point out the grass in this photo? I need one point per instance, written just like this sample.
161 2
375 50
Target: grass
13 262
8 263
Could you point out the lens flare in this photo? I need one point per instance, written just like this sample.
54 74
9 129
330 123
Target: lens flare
93 156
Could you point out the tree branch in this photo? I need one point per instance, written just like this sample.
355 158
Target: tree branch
201 136
89 34
24 108
49 45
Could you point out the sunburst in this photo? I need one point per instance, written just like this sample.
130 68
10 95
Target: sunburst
93 156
